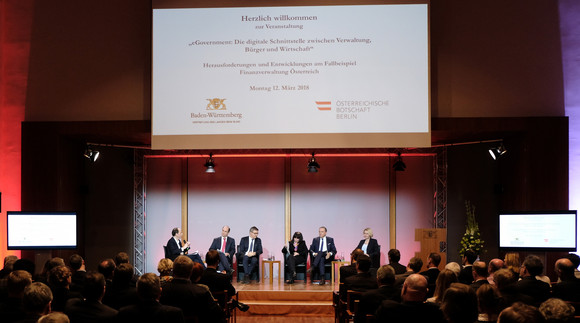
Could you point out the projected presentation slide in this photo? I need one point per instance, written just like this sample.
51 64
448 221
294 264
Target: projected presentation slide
41 230
291 70
537 231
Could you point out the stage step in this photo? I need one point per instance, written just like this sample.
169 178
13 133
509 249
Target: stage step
288 303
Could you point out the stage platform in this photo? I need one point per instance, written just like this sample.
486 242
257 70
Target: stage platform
279 299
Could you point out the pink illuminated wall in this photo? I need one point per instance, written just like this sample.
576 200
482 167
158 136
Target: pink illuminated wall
15 25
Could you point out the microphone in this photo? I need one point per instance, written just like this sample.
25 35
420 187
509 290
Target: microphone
186 249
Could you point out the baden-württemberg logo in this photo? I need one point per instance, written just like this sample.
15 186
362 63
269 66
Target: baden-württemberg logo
216 104
209 116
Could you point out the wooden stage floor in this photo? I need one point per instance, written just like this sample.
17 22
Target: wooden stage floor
278 302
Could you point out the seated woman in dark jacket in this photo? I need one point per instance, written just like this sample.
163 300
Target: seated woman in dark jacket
297 252
370 247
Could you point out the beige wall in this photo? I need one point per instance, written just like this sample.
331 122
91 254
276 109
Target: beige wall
90 60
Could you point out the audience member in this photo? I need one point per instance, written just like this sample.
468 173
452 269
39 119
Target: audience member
568 288
350 270
372 299
91 308
505 281
122 291
444 280
538 290
466 273
165 269
412 308
11 308
36 301
494 265
488 303
79 272
219 282
414 266
479 275
454 267
26 265
196 303
520 313
575 259
432 272
394 258
8 266
121 258
55 317
48 265
512 262
363 280
148 309
59 279
555 310
459 304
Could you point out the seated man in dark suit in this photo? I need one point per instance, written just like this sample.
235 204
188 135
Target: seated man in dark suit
195 301
414 266
432 272
226 246
394 257
122 291
412 308
79 272
350 270
175 248
568 289
362 281
538 290
466 274
250 251
90 309
479 275
11 306
323 251
372 299
148 308
218 282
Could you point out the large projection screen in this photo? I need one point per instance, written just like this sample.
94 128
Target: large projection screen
324 76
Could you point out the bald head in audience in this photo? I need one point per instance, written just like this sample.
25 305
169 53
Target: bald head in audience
414 288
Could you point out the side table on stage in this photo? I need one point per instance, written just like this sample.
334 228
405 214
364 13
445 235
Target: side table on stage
271 272
340 263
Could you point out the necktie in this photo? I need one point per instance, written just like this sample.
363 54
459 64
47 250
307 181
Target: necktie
251 246
321 244
224 245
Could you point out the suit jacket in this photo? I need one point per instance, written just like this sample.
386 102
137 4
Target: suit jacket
217 282
431 275
329 246
399 269
173 249
79 310
476 284
391 311
361 282
150 312
372 299
230 246
301 249
347 271
536 289
245 245
466 275
373 250
400 279
568 290
193 300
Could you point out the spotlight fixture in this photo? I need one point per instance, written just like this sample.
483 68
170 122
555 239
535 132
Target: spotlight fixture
91 154
209 165
313 166
498 151
399 166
